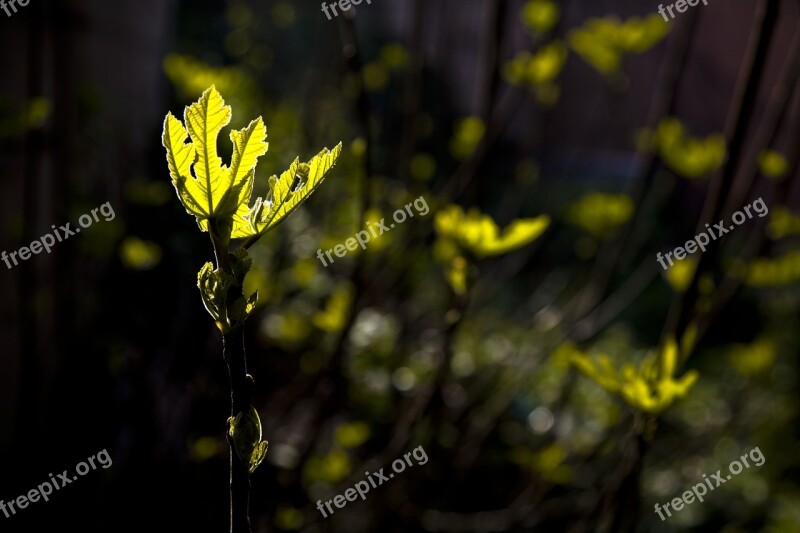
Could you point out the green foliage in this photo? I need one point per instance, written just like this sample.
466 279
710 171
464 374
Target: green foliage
288 518
774 272
538 71
205 448
477 235
468 133
138 254
333 318
773 164
394 56
680 275
756 358
285 194
548 462
222 193
600 214
218 196
498 371
603 42
33 115
191 77
330 468
214 191
540 16
689 157
214 285
352 434
423 166
783 223
650 388
376 76
245 430
288 329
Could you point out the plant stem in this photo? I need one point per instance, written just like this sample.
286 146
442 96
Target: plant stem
241 398
743 106
241 389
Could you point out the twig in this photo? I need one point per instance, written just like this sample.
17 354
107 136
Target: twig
742 109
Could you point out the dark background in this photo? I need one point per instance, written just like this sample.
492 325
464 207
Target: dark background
106 344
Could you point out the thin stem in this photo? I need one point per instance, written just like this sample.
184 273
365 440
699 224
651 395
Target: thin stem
241 387
241 396
742 111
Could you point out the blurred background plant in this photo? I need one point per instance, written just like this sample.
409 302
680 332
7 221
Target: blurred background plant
559 146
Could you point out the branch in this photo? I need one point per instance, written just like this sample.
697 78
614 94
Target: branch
742 110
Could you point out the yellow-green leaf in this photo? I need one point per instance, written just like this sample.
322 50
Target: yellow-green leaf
212 191
518 234
286 194
479 234
248 146
245 430
180 156
204 120
206 187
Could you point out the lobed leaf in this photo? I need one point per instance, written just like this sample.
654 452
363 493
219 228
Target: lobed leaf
286 193
207 188
205 119
180 156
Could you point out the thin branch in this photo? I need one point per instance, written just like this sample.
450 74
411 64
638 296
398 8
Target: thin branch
741 114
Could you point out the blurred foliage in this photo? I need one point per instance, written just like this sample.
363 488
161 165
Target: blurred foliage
467 135
477 234
680 275
511 379
603 42
352 435
332 318
540 16
538 71
373 326
138 254
755 358
331 468
33 115
192 77
773 164
472 234
690 157
783 223
779 271
358 344
651 387
600 214
549 463
423 167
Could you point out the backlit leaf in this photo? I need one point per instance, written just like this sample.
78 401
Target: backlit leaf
286 193
479 234
210 190
204 120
